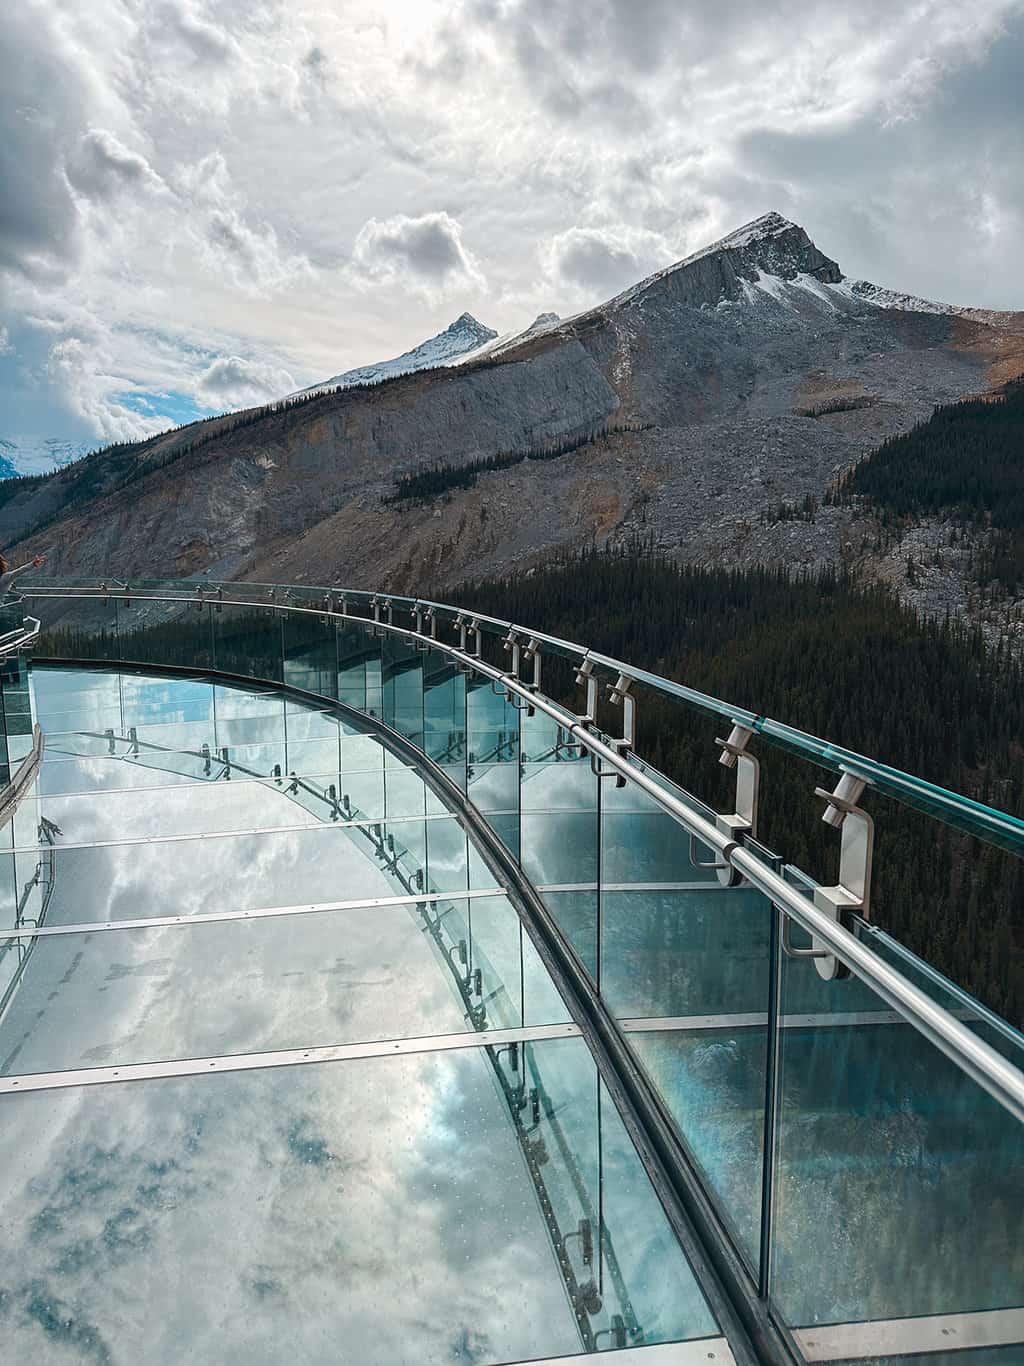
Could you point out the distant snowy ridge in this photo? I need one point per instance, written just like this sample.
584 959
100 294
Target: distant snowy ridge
464 335
39 454
541 323
891 298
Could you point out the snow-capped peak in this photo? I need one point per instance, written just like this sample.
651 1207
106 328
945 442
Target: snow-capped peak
465 334
761 229
541 323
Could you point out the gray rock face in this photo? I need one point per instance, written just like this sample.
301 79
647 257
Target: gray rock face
756 371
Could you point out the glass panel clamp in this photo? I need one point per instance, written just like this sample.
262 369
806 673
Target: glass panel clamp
619 695
853 890
743 819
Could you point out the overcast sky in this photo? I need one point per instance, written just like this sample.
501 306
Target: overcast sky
208 203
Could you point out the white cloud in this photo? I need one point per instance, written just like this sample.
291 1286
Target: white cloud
6 345
233 382
78 367
424 253
599 262
250 254
100 166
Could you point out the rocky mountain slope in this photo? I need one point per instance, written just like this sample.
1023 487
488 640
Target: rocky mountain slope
749 376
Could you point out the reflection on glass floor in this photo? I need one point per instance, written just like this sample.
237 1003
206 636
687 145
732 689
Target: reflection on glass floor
463 1200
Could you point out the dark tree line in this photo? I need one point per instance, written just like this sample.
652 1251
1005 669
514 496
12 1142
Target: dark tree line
443 477
966 463
846 664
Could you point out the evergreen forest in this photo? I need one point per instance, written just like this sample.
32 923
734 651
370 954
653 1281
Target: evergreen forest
966 464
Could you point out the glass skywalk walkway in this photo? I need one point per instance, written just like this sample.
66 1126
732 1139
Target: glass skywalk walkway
382 1010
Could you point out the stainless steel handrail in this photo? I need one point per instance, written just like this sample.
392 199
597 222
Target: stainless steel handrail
978 1060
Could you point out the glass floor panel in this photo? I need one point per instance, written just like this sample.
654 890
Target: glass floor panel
203 989
456 1201
375 1212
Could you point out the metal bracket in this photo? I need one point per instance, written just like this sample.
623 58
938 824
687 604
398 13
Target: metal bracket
743 820
510 644
531 651
467 627
417 625
585 675
618 693
853 890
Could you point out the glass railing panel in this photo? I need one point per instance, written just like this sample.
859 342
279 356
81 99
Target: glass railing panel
688 970
640 1256
14 906
173 633
373 670
444 715
310 650
166 1173
559 823
576 915
406 794
77 760
562 1103
247 641
898 1182
77 629
449 866
202 989
984 1022
480 942
492 745
63 775
362 777
642 843
123 698
16 713
24 827
402 687
623 1268
354 646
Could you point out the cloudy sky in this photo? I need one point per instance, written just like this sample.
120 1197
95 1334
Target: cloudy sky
208 203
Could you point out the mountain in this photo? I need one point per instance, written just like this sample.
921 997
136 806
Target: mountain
708 409
464 335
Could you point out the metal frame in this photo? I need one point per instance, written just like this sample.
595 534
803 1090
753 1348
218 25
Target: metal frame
261 913
284 1057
